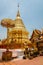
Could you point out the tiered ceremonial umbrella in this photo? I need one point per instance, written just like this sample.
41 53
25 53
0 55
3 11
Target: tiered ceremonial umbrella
8 23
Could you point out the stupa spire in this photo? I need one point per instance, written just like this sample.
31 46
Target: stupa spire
18 13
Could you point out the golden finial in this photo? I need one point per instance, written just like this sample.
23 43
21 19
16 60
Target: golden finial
18 5
18 14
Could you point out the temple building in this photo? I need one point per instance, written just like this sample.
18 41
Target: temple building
37 39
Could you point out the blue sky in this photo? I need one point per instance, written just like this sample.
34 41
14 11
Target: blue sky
31 13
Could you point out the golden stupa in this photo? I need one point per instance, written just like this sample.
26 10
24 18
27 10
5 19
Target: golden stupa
18 33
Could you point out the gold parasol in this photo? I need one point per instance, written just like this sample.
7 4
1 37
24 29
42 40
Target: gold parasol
8 23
